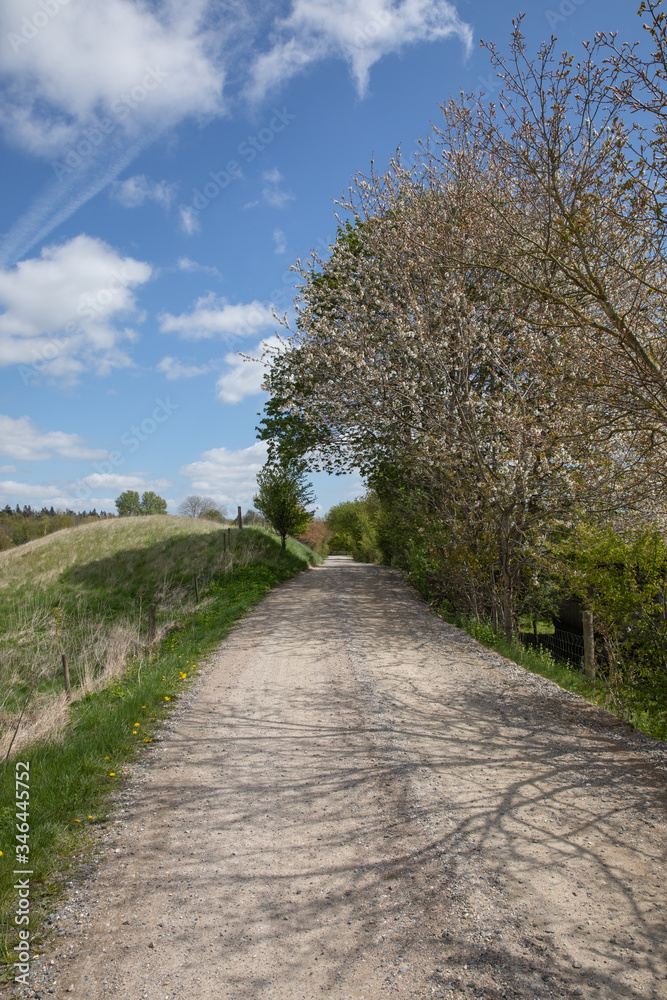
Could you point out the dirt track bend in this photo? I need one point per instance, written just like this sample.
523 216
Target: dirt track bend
358 801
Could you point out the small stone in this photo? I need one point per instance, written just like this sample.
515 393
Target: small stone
150 944
576 965
578 992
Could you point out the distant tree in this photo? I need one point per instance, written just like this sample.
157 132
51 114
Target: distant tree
316 536
151 503
213 515
252 517
128 503
282 498
198 506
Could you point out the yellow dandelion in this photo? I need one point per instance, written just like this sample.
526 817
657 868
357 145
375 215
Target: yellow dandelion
143 706
106 758
77 820
0 854
166 698
90 817
112 774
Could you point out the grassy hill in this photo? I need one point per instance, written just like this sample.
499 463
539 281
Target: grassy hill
85 592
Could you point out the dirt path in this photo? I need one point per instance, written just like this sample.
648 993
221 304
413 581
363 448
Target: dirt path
358 801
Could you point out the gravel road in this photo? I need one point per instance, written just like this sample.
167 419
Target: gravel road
356 800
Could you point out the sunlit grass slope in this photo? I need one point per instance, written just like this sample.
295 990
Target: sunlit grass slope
84 592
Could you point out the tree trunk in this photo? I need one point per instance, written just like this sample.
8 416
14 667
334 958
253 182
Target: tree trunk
282 542
508 624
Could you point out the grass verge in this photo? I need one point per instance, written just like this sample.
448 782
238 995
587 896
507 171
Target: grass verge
642 707
72 778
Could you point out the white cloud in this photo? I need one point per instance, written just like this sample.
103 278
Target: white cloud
93 87
121 481
16 491
189 220
6 469
20 439
279 240
272 192
83 493
132 63
185 264
90 84
228 476
173 369
244 377
359 31
215 317
61 309
134 191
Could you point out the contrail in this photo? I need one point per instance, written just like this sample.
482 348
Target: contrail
62 198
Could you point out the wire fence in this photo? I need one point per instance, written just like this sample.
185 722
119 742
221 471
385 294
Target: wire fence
566 646
562 645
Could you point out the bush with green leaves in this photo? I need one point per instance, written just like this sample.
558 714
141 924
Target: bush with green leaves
622 580
356 524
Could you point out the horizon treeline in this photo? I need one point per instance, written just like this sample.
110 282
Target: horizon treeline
19 525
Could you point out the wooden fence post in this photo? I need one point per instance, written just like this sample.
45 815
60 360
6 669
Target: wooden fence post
66 676
589 645
196 590
229 538
151 622
239 518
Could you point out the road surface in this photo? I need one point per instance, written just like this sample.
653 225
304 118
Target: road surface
356 800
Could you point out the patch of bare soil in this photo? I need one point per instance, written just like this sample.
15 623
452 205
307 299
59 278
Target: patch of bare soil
359 801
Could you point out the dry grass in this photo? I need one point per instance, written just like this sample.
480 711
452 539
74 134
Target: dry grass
85 592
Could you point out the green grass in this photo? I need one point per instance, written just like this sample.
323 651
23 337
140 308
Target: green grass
85 591
73 777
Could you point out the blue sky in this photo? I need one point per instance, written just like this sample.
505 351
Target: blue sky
163 165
